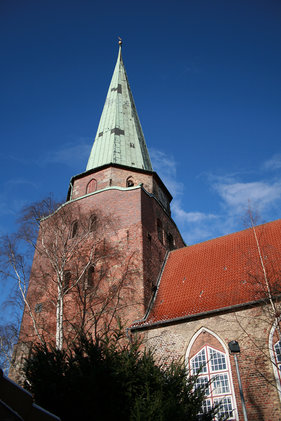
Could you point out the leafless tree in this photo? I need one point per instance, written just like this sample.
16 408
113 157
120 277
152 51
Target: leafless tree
75 283
264 273
8 338
262 266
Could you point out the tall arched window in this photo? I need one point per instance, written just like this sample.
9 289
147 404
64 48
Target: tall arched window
275 353
169 241
91 186
74 229
208 358
214 373
160 230
90 276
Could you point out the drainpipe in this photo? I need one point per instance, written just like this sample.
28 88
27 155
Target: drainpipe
235 349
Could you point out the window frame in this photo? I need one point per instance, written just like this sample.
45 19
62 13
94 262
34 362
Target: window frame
274 358
89 189
223 350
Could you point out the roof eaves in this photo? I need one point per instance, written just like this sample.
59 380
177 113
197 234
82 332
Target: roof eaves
191 317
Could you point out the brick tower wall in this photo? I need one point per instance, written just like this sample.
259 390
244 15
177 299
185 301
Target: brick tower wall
130 225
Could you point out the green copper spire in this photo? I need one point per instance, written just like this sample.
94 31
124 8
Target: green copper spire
119 138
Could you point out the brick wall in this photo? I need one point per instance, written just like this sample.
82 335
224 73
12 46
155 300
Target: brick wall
118 177
127 223
251 328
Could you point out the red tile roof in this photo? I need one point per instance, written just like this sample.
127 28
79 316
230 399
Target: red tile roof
217 274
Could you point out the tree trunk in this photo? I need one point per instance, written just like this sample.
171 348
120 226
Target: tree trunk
59 320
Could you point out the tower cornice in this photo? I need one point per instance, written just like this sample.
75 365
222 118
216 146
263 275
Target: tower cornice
124 167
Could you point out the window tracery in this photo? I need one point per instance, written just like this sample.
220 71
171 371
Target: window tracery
275 354
277 350
213 373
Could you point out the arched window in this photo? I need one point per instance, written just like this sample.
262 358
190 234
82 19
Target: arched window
170 241
275 353
130 182
160 230
214 373
74 229
91 186
90 276
208 358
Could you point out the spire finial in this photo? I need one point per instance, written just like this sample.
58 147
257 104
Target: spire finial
120 41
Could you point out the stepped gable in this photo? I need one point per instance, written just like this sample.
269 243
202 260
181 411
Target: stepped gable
217 275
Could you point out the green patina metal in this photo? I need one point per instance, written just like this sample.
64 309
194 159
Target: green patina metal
119 137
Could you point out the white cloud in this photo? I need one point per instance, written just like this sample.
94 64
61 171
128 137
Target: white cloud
70 154
197 233
195 226
237 195
274 163
233 197
166 168
163 163
190 217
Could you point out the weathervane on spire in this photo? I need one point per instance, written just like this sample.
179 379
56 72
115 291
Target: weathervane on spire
120 41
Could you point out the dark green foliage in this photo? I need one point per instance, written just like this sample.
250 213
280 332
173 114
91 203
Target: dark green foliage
111 380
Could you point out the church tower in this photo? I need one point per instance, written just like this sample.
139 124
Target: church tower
116 225
119 178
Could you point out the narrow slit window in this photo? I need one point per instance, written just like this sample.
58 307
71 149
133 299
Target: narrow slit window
93 223
74 229
160 230
90 276
170 241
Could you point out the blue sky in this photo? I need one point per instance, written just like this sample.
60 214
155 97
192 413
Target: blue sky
205 76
